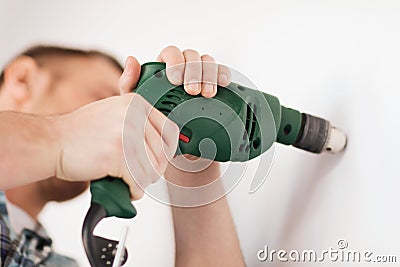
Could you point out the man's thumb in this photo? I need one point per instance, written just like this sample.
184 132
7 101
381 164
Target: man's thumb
130 76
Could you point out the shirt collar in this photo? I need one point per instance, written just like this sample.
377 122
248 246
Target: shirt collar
20 220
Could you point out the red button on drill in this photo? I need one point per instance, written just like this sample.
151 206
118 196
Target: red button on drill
184 138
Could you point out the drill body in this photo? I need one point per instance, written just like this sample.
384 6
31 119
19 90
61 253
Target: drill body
224 128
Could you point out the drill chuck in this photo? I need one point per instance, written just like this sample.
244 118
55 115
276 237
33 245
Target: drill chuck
318 135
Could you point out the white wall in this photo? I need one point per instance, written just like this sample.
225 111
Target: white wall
336 59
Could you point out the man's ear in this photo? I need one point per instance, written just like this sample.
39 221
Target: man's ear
18 78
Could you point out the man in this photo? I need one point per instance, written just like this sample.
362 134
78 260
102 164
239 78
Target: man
51 158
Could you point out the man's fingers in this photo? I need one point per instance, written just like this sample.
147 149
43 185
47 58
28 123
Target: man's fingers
154 169
143 168
224 75
167 129
149 162
135 190
210 73
150 140
131 179
198 74
193 72
175 61
130 76
156 145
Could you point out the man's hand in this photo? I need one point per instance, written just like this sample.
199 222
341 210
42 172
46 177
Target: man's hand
210 228
91 142
199 74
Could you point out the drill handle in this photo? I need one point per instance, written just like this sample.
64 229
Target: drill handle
113 195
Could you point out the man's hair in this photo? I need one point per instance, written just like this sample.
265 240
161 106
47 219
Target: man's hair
41 53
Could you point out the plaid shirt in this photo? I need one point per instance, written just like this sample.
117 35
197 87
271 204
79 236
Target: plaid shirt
28 248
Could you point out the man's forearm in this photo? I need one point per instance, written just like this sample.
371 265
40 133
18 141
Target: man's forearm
206 235
28 149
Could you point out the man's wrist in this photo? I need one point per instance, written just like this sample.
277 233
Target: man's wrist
190 178
56 130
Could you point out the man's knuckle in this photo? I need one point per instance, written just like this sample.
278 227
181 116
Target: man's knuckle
171 47
191 52
207 57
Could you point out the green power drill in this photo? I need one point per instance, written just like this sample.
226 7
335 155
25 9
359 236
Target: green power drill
243 123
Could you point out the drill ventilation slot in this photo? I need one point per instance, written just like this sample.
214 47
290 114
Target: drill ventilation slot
170 101
251 122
